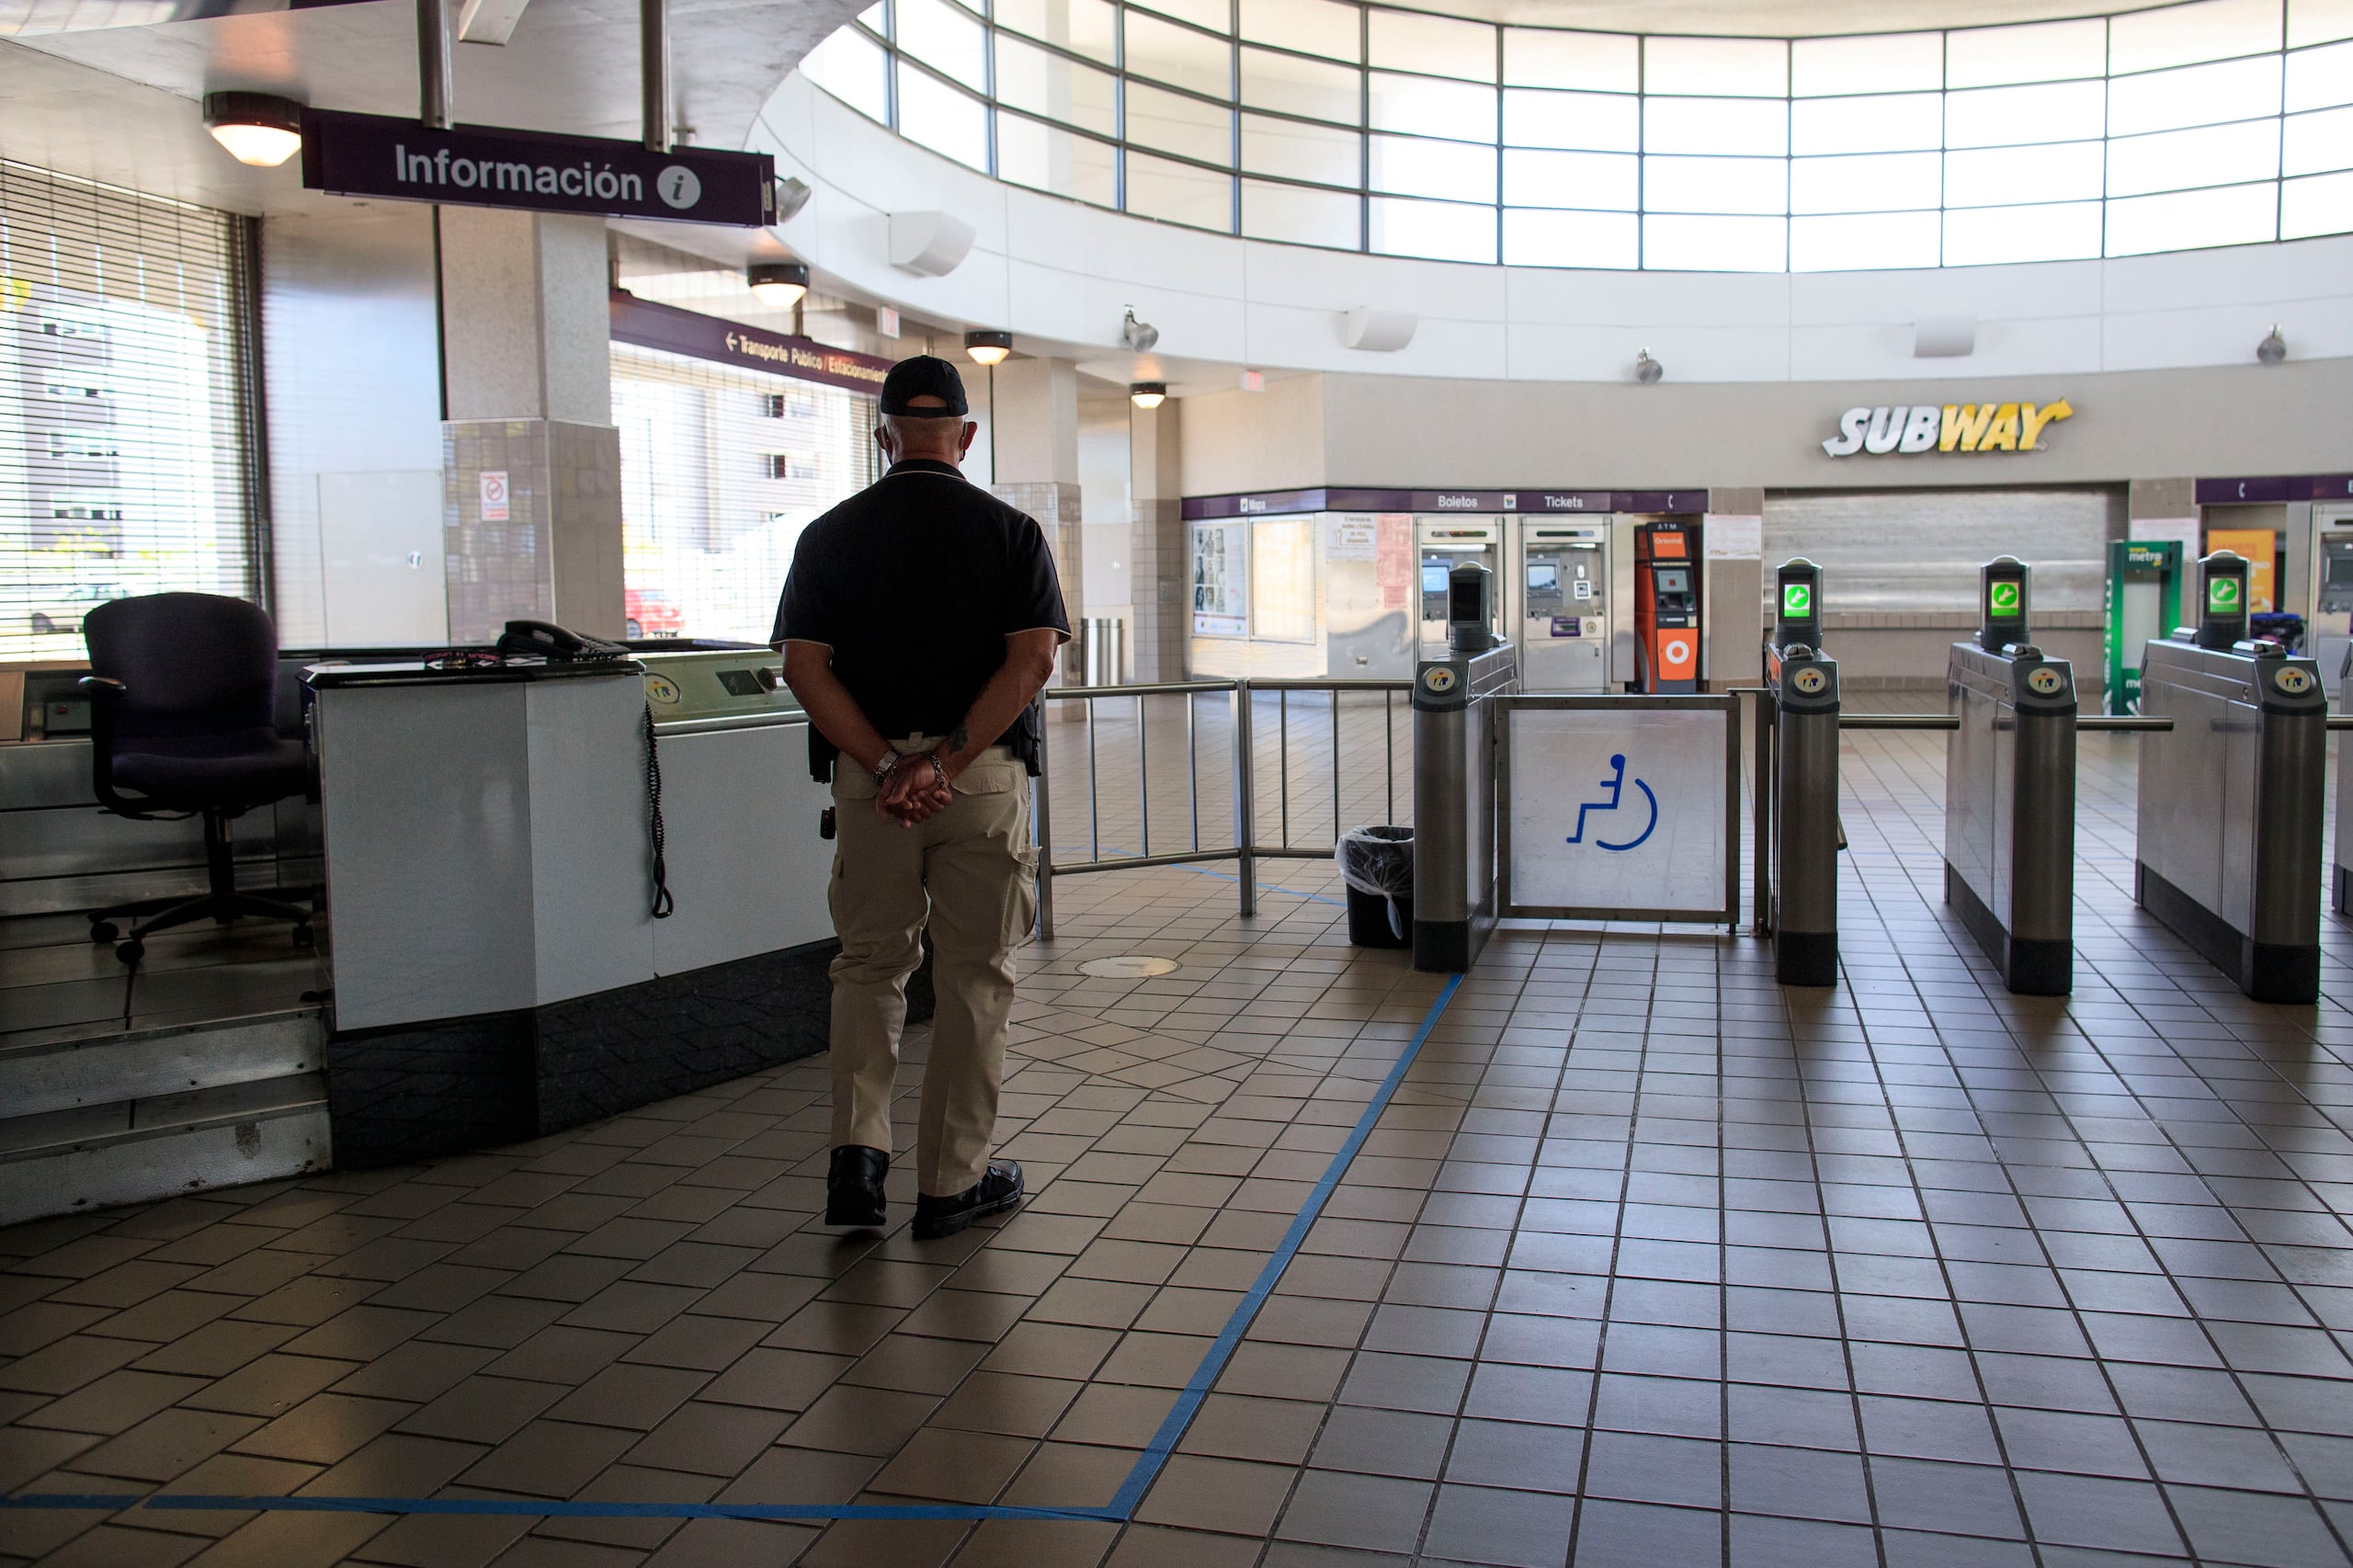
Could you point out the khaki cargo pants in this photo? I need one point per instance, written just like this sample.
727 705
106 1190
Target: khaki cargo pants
970 873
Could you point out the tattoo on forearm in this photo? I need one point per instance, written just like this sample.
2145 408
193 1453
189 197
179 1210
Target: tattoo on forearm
960 740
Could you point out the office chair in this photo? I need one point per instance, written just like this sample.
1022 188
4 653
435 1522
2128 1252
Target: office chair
183 690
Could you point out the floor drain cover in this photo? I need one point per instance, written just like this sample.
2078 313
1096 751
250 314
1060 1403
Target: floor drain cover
1132 966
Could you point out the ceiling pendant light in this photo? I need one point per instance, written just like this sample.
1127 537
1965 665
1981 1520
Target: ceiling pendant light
988 347
778 284
259 128
1148 394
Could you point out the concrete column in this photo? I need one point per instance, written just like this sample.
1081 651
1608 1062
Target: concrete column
1036 468
527 393
1159 568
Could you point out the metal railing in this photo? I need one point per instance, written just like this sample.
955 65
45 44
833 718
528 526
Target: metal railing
1246 848
1952 722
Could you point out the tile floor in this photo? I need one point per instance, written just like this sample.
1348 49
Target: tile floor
1647 1262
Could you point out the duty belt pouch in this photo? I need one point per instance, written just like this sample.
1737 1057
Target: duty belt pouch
822 753
1026 738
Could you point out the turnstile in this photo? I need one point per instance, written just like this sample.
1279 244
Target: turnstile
2229 852
1797 793
2010 812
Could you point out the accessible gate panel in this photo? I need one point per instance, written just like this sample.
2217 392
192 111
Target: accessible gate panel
1620 808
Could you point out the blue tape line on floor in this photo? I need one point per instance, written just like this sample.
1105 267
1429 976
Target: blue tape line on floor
1123 1503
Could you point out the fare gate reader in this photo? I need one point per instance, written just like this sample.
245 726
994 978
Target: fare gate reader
1667 605
2221 600
2229 845
2010 792
1798 794
2002 592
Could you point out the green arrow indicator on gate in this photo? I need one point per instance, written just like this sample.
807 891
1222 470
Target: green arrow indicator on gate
2004 598
1797 601
2222 595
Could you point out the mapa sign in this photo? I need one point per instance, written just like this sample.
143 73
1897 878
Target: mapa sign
475 165
1951 427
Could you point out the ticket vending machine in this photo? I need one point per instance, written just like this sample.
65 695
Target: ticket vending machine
2330 621
1563 618
1667 605
1440 545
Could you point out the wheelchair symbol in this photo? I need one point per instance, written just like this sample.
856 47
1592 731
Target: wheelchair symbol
1616 786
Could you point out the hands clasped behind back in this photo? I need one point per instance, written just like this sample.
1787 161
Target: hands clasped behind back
919 788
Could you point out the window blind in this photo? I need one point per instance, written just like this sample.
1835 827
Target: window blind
127 410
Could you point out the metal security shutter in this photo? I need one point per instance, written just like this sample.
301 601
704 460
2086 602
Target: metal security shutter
1908 553
127 458
721 468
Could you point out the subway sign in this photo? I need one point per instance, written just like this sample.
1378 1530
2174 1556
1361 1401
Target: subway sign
1950 427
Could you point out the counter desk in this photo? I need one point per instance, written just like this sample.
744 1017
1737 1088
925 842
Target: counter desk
497 968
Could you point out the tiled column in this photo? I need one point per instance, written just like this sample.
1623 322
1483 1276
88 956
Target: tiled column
1159 574
1036 440
526 375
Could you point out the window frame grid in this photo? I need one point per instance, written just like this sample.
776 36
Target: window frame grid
1239 175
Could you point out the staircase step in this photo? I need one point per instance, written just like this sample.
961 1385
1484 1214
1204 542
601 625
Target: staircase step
98 1071
84 1157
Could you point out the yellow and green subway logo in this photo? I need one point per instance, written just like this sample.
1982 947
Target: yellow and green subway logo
1953 427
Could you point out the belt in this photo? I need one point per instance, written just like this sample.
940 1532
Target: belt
914 745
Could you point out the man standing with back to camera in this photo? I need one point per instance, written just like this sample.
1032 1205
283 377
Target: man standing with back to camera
918 622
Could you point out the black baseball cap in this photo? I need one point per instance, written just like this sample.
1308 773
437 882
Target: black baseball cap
925 375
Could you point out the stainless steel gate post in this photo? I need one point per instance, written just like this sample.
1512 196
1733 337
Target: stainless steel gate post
1804 853
1797 787
2229 850
2010 812
1454 805
2341 873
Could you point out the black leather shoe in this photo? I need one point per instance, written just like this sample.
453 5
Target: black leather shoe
854 1187
995 1193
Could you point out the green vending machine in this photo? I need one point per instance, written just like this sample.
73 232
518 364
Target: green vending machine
2144 606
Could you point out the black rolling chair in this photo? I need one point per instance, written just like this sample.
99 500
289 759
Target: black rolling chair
183 694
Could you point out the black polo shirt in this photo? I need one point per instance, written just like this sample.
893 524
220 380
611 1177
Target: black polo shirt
914 584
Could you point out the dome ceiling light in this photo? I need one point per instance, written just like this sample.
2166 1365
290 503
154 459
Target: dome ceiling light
988 347
779 284
259 128
1148 394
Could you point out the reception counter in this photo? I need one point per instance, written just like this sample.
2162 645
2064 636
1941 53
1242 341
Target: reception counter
498 969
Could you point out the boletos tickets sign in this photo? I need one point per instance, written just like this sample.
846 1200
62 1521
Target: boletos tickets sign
1946 428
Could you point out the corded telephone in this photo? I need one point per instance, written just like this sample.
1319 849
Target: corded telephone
544 640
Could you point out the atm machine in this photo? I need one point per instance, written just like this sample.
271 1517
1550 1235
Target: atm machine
1667 605
1440 545
2329 621
1564 605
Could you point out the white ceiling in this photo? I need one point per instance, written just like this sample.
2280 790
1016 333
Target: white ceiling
122 104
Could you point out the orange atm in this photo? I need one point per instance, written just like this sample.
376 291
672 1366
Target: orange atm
1667 605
